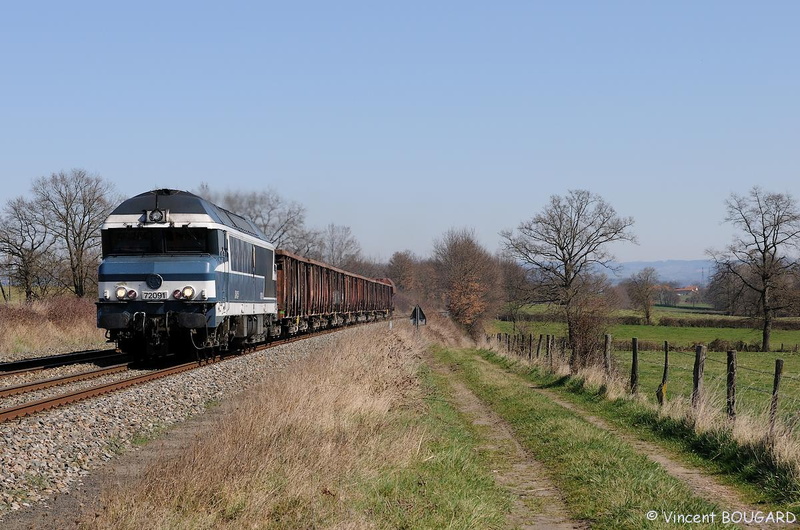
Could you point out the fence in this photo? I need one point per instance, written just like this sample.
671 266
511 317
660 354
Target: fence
763 390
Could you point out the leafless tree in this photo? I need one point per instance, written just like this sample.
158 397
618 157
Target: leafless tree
516 287
25 241
642 288
6 294
727 293
366 266
74 205
591 311
401 269
769 226
282 221
468 277
563 245
666 295
339 246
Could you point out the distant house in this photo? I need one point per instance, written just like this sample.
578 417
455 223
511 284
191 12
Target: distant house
684 291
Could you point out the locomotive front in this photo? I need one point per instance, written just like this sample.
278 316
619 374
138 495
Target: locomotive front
165 275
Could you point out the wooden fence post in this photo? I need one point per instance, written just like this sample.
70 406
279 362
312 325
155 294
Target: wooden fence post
697 376
731 384
549 352
530 347
635 366
661 392
607 356
539 346
773 406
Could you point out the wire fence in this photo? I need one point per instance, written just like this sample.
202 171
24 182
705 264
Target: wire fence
737 382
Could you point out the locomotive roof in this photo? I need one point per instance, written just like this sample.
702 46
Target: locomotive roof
178 202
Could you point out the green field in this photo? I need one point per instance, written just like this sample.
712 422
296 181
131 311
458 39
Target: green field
754 378
755 371
678 337
605 482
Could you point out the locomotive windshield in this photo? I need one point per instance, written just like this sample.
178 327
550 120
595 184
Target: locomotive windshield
138 241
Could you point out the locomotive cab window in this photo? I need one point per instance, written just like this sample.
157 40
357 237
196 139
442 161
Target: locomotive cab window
138 241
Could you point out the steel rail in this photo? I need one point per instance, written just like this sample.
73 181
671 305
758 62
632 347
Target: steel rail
52 361
62 380
25 409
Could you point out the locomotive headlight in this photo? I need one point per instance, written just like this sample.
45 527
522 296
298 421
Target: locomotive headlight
188 292
121 291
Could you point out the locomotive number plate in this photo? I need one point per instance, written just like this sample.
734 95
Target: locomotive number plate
154 295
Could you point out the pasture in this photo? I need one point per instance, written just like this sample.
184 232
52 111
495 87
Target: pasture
755 370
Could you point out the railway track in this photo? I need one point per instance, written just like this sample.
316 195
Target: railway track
43 384
106 356
52 402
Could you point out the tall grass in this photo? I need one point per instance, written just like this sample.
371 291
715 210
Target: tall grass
47 326
324 442
743 448
604 481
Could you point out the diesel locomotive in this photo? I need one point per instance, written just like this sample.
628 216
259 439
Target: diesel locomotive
181 275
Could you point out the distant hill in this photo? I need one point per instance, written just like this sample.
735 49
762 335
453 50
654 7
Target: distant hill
684 272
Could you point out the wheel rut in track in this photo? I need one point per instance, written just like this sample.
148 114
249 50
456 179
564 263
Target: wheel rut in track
699 482
537 502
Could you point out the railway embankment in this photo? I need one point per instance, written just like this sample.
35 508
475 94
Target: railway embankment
351 429
48 454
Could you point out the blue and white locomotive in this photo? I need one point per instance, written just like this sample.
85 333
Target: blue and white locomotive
182 275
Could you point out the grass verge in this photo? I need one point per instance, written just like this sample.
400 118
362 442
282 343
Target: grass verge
357 435
605 481
741 457
58 324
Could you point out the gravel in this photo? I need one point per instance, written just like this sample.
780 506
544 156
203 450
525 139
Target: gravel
27 397
50 452
49 373
66 348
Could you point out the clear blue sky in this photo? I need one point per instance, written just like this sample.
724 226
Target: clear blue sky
404 119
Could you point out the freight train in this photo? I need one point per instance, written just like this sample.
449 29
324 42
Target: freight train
181 275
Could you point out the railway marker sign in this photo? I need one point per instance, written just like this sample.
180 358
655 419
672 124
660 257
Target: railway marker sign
417 316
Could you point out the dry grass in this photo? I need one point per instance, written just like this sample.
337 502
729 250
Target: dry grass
299 449
776 456
54 325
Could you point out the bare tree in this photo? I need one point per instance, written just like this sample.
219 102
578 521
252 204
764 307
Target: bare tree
468 277
281 220
306 242
74 206
592 308
366 266
401 269
562 245
339 246
666 295
769 225
727 293
642 288
25 242
517 288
